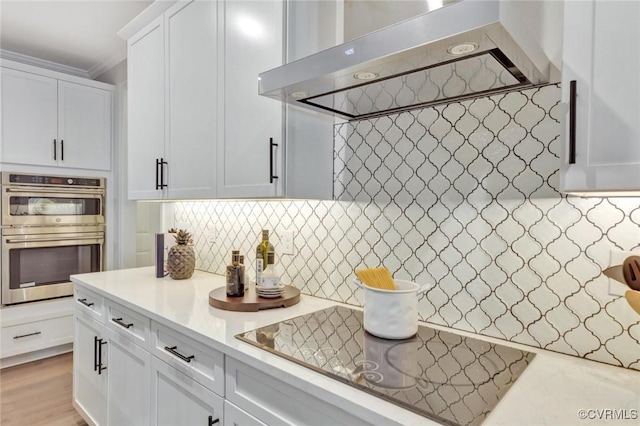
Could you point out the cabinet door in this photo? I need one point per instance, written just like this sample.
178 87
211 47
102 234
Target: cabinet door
129 375
192 99
599 54
234 416
251 41
177 399
89 385
84 127
146 85
29 118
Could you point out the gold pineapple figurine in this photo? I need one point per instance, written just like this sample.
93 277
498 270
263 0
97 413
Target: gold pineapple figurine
181 260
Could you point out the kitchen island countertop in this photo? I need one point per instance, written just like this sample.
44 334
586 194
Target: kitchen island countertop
554 389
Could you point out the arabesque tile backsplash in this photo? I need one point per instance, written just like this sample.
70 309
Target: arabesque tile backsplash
462 196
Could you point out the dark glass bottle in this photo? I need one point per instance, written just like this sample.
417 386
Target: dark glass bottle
235 276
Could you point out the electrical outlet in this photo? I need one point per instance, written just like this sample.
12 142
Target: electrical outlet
211 234
617 258
286 242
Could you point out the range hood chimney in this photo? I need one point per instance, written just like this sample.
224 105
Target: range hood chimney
465 49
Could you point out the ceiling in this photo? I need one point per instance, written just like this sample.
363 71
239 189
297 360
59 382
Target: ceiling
76 34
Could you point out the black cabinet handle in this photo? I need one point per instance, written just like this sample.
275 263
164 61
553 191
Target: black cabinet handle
157 173
213 422
85 303
172 351
120 323
162 164
95 353
55 150
271 175
99 367
27 335
62 149
573 94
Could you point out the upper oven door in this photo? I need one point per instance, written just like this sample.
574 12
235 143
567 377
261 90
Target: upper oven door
50 206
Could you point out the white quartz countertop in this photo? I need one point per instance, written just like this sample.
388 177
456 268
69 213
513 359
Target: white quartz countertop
552 390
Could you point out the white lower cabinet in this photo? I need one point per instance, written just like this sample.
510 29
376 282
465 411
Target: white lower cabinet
118 382
177 399
277 403
128 371
35 335
174 379
234 416
199 362
110 376
89 379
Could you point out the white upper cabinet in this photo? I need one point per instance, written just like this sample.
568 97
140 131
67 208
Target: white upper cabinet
84 126
251 132
192 99
172 104
49 121
197 127
145 90
29 118
601 62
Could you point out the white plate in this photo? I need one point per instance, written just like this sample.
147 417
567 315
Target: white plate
278 287
269 296
275 290
270 290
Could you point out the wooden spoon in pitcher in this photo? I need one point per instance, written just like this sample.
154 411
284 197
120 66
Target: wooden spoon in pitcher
631 272
633 298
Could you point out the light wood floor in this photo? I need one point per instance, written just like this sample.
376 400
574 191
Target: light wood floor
38 393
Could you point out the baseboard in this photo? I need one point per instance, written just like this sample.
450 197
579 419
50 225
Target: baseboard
87 418
36 355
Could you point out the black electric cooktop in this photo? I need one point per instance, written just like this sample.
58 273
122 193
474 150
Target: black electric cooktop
446 377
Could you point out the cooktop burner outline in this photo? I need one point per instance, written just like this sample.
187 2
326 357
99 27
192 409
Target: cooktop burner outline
453 379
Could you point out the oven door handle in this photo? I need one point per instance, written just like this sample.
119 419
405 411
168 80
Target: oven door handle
52 239
67 192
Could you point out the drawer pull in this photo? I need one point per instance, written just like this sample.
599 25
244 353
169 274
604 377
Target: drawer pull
85 303
212 421
120 323
27 335
172 351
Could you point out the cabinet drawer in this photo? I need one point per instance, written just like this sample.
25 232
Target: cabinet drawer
197 361
179 400
128 323
234 416
277 403
90 303
36 335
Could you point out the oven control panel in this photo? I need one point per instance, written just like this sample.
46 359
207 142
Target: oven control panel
54 180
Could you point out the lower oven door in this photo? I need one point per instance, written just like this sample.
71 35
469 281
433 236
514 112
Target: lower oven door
38 266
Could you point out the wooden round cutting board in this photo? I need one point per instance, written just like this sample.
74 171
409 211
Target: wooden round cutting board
251 302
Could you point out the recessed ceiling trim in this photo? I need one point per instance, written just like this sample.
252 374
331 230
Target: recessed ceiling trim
43 63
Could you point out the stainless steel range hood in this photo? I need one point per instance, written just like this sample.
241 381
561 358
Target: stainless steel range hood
466 49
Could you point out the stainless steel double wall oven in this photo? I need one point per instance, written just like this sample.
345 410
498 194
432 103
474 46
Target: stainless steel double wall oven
52 227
